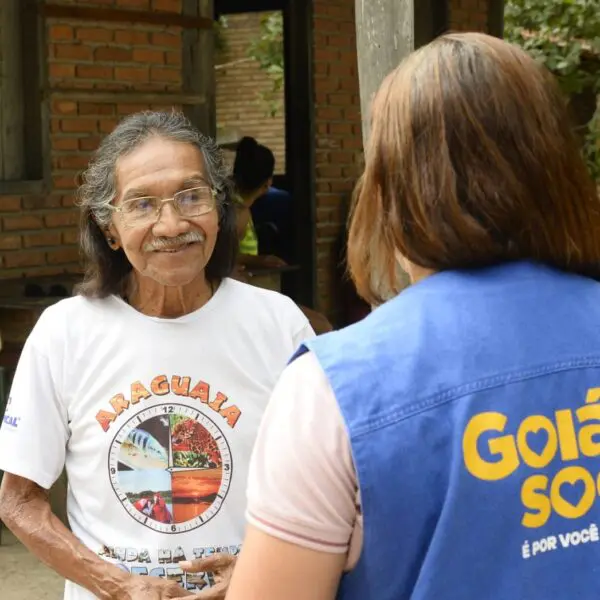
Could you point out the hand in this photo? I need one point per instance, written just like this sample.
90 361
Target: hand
137 587
221 566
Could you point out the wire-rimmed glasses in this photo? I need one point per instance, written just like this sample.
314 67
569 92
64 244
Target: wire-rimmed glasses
193 202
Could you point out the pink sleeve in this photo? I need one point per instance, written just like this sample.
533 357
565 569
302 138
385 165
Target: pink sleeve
302 485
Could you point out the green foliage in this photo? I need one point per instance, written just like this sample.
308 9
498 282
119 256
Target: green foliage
565 36
267 49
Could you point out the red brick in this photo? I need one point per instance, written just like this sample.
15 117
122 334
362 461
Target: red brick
166 39
133 38
24 259
113 54
10 203
61 70
173 58
107 125
57 256
88 108
60 32
68 201
33 240
167 5
94 72
164 74
112 86
73 51
61 219
89 142
94 34
79 125
22 222
10 242
75 161
64 107
133 3
131 73
148 56
63 182
64 143
340 128
326 54
127 109
40 202
70 237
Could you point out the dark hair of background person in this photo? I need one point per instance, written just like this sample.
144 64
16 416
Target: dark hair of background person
472 162
106 269
254 165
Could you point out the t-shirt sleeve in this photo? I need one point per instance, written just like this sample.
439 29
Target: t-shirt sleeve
306 332
302 484
34 430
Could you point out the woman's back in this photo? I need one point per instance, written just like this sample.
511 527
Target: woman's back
466 401
460 418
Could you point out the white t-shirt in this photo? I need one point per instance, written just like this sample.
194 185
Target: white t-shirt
155 420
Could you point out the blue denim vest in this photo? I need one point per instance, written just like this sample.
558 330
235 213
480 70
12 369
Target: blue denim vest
472 402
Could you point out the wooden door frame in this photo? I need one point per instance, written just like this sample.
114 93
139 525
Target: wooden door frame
300 146
299 134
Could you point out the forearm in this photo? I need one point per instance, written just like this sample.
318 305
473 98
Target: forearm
32 521
251 260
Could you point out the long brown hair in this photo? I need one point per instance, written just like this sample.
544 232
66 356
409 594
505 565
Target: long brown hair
471 162
107 270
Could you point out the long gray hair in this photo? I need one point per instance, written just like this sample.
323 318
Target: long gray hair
107 269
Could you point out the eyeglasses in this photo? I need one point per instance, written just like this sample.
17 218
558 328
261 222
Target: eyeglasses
194 202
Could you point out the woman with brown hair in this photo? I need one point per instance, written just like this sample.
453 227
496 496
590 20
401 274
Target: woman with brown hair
445 446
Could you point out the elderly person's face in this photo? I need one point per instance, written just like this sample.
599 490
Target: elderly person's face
159 246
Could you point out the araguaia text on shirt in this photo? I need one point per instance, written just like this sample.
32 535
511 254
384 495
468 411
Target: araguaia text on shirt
161 385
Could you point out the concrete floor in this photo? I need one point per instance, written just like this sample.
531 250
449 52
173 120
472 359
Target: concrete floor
23 576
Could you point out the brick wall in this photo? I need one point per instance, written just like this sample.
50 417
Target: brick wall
469 15
240 109
338 133
38 234
338 125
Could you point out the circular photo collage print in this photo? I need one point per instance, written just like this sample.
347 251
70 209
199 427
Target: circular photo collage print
170 466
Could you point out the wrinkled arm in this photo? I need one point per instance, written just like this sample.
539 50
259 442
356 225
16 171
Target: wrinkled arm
271 569
25 509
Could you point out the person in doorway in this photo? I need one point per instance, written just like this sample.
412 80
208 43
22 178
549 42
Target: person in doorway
253 177
150 384
253 170
443 447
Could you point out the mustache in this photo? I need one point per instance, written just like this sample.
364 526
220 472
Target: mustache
165 243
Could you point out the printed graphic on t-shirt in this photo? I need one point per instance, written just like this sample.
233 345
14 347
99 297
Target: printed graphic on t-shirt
170 467
494 449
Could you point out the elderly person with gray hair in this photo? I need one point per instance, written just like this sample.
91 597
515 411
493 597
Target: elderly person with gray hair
149 385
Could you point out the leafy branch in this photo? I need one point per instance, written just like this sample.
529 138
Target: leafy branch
267 49
565 36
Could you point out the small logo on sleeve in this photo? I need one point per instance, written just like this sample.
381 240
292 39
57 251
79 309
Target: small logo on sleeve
9 420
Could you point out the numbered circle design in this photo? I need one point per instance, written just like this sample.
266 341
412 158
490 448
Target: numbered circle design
170 466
